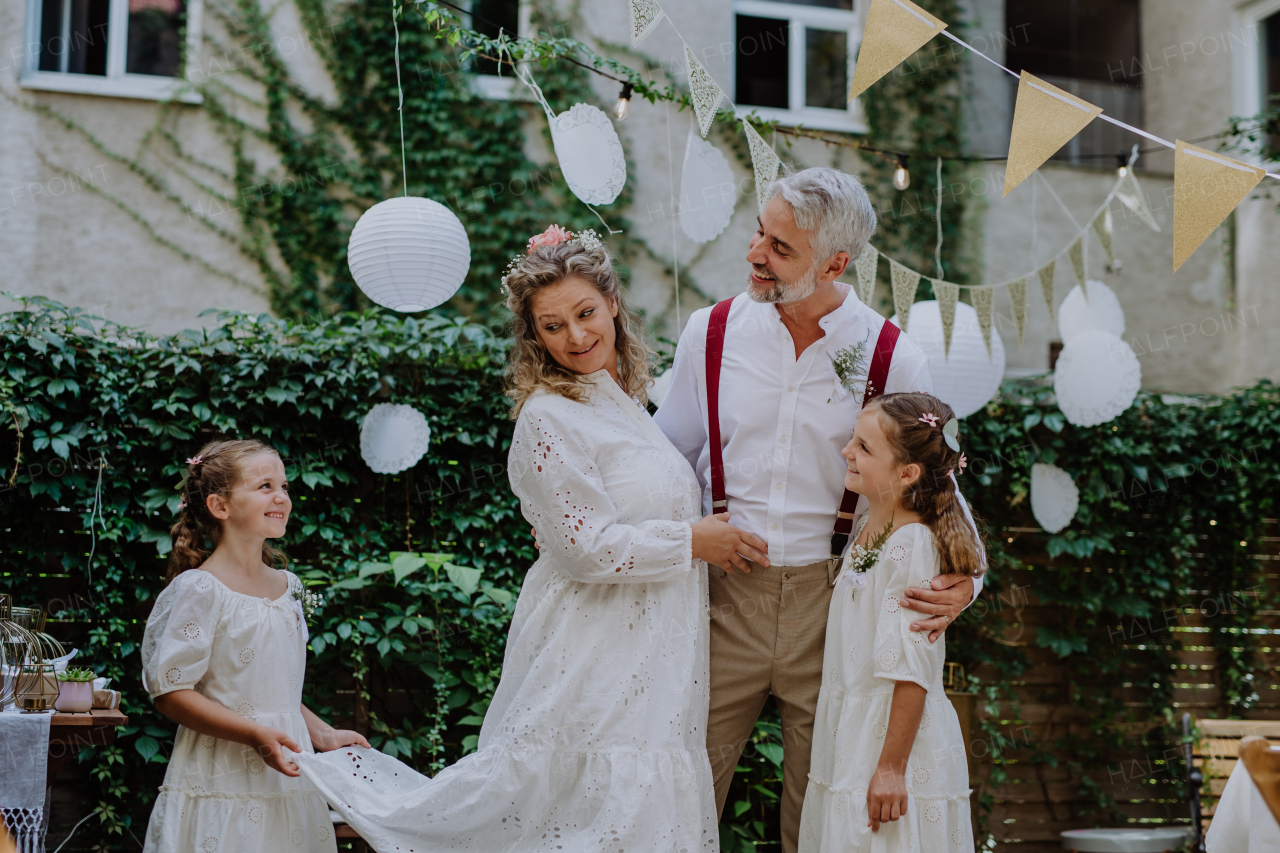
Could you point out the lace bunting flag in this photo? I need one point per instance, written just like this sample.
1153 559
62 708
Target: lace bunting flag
1018 296
1102 226
1076 254
905 282
645 17
1132 197
703 91
764 162
983 298
1045 274
866 266
947 294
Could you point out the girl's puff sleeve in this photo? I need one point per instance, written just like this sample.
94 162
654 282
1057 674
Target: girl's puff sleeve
179 636
900 653
563 496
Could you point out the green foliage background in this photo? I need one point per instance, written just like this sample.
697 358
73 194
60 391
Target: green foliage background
411 647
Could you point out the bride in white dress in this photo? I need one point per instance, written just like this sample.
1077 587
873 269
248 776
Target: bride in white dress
595 739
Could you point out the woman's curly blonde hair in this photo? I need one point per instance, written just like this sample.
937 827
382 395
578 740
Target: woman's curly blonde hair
529 365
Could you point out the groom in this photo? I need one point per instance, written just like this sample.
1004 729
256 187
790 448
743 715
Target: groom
782 420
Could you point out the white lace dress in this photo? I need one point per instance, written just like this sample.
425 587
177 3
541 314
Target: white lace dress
595 739
869 648
249 655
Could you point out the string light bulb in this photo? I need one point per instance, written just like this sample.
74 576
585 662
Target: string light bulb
1122 165
623 108
901 177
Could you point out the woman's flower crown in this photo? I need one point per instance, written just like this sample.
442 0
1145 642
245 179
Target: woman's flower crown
553 236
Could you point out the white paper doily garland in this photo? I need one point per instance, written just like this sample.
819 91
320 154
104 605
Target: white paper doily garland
708 191
1100 311
1054 496
393 437
967 378
1096 378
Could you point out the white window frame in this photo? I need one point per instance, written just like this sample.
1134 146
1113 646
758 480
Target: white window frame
505 87
116 83
1249 63
800 17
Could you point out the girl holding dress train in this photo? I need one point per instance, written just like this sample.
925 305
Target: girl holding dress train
224 656
889 771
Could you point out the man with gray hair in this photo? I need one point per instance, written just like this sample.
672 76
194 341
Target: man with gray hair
779 416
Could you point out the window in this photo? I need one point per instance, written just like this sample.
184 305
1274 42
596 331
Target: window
489 17
794 61
1254 44
1092 49
122 48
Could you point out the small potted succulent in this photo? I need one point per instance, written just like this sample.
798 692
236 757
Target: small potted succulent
75 690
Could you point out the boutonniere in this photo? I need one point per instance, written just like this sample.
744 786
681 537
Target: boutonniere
850 366
861 560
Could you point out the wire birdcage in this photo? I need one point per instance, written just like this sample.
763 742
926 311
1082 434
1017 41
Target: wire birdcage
27 677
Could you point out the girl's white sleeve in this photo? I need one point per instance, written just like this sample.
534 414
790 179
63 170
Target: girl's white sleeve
179 636
900 653
563 496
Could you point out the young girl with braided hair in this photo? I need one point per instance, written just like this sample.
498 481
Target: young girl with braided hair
224 656
888 754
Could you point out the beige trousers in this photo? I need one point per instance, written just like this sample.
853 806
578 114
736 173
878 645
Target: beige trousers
768 629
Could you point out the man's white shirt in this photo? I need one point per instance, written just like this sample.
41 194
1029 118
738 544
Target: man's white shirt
783 421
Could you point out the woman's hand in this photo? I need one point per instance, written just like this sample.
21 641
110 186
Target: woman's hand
338 738
886 796
721 544
269 743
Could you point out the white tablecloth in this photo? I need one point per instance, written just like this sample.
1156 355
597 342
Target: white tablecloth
24 762
1242 822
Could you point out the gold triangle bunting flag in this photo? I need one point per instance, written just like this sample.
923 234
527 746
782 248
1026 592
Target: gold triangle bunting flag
1044 119
704 92
1102 226
1206 188
982 300
1018 296
866 266
1045 274
895 29
645 17
1076 253
946 293
905 282
764 162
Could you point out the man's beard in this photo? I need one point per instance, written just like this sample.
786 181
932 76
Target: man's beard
783 292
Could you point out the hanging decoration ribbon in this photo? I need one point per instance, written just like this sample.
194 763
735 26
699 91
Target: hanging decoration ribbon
1206 188
1044 119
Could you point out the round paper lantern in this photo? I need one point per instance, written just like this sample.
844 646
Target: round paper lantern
1054 496
590 153
966 378
393 437
708 191
1096 378
409 253
1100 311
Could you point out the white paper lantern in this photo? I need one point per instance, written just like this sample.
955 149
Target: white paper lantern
1096 378
1100 311
590 153
967 378
1054 496
393 437
409 253
708 191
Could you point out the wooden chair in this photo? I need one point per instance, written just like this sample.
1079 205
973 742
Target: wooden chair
1216 754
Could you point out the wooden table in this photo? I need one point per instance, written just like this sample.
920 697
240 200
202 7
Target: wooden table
70 733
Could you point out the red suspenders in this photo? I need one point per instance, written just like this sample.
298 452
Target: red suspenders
877 377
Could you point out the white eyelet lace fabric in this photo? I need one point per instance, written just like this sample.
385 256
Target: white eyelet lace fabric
244 653
595 737
873 646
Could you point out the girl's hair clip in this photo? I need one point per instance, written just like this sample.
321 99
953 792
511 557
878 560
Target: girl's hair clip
951 433
195 460
929 418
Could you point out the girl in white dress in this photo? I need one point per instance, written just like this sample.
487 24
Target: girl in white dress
889 772
595 739
224 655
